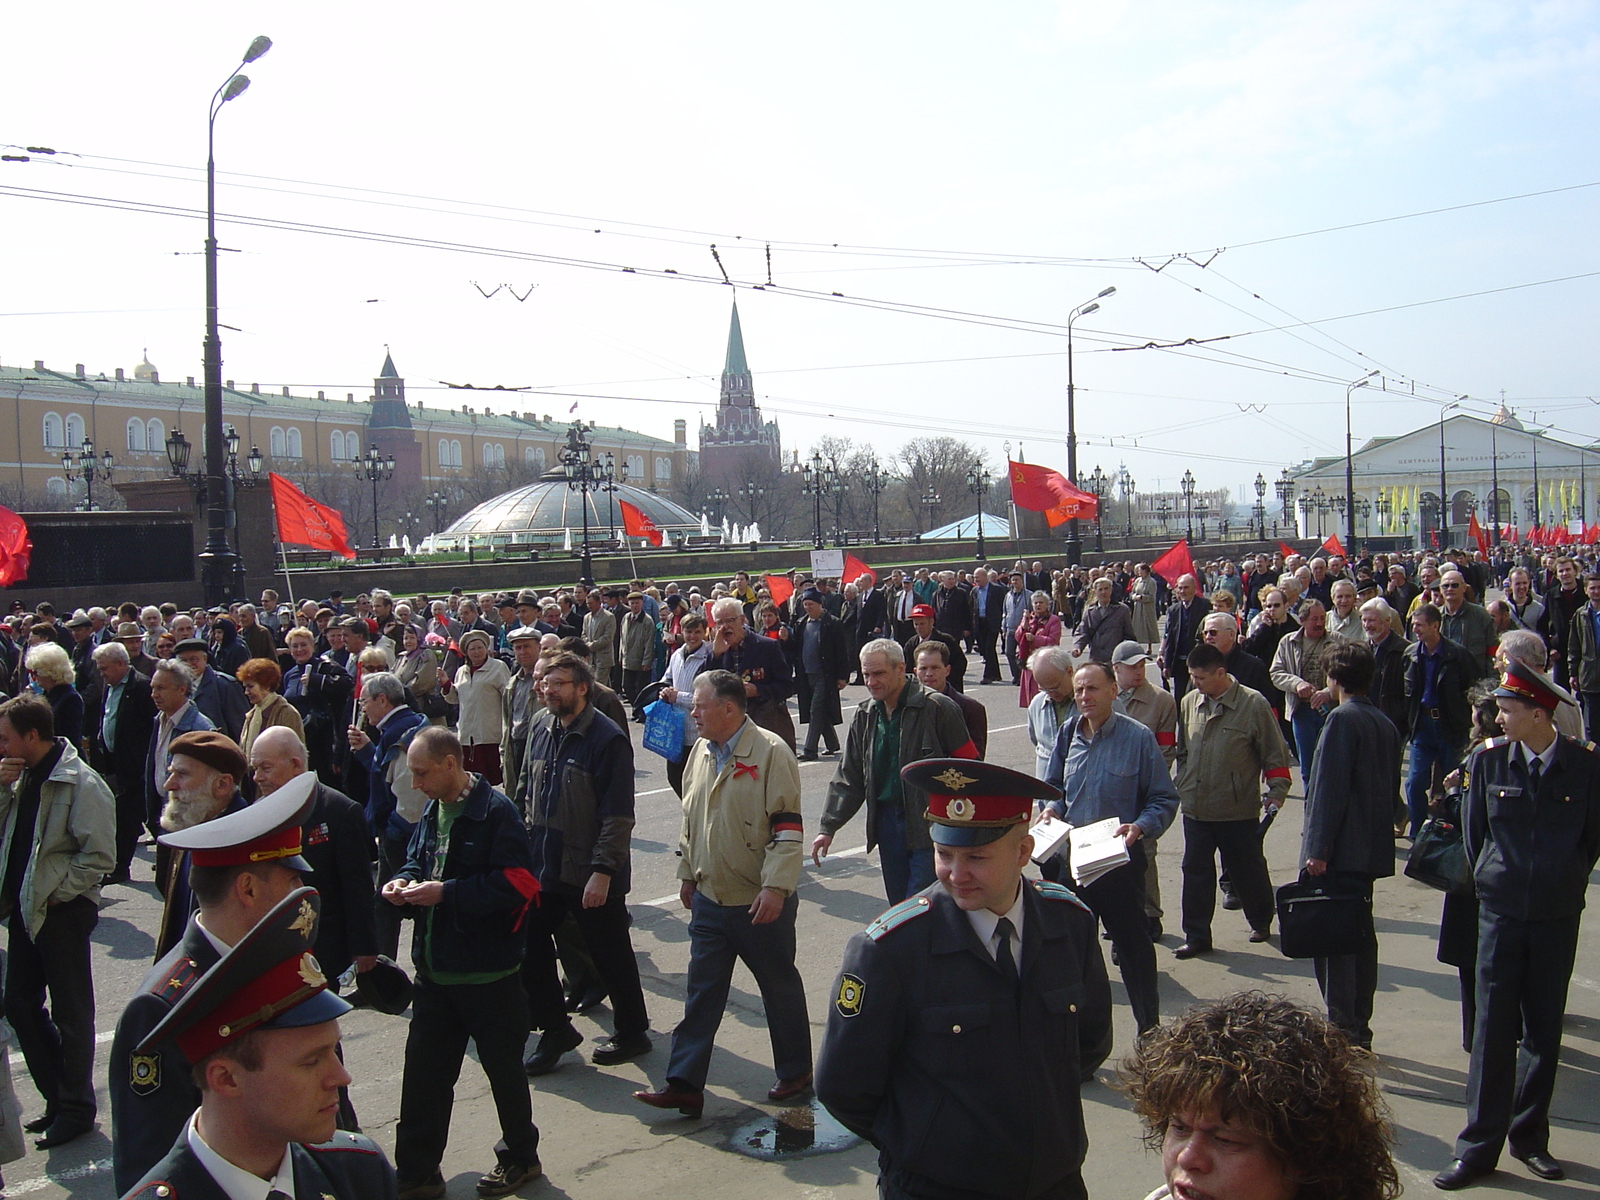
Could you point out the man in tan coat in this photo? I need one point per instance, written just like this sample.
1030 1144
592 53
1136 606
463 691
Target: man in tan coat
741 850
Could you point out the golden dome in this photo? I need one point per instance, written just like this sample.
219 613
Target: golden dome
145 372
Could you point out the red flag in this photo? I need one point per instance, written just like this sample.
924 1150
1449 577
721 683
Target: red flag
1286 550
1175 563
779 588
1591 534
854 569
304 522
1333 546
1039 489
1476 531
637 523
15 548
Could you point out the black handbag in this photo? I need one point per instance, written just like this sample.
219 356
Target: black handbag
1323 917
1438 857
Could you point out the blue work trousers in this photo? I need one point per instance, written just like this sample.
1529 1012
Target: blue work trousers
905 871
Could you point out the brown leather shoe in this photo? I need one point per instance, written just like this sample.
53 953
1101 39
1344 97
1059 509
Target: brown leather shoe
788 1089
688 1103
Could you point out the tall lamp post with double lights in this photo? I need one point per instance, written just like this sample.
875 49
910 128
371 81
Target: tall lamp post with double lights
376 469
1186 486
218 560
752 493
89 468
816 480
1126 485
1261 506
584 474
1284 486
1074 542
930 500
979 483
1349 507
233 478
438 503
1100 485
875 480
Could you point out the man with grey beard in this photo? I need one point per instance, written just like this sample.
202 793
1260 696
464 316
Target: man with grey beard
204 771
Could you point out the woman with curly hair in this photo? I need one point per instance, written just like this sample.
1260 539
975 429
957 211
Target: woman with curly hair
1253 1098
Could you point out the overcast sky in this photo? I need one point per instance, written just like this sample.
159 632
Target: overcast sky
1000 163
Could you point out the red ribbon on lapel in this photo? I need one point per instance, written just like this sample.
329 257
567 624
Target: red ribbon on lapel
749 769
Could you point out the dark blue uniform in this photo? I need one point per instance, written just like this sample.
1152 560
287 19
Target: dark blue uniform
1532 850
968 1088
152 1094
350 1167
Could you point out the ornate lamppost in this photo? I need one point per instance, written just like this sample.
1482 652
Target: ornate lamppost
1186 485
89 468
438 503
376 469
1100 485
930 500
752 493
1285 489
1126 484
814 483
979 483
584 474
875 480
1261 506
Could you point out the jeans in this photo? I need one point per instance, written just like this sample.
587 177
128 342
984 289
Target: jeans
1307 723
1434 754
58 1043
443 1016
719 936
1239 843
905 871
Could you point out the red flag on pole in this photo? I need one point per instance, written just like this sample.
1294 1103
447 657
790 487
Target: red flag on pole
1476 531
15 548
1039 489
304 522
779 588
637 523
1333 545
1286 550
1175 563
854 569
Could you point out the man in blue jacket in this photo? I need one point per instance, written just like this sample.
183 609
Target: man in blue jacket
467 885
383 703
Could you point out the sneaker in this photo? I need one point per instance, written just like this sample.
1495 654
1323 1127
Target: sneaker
429 1189
508 1177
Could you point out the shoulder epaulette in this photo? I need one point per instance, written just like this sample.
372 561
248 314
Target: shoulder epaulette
1495 743
343 1143
897 916
1057 891
171 985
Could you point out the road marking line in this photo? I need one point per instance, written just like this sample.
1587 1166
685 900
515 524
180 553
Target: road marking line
44 1181
673 901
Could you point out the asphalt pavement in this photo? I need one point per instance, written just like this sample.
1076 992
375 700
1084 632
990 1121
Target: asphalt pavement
599 1142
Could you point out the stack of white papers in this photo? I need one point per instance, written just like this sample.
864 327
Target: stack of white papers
1048 837
1096 849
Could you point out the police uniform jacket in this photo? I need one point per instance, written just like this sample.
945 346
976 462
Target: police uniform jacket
930 1056
1531 854
152 1094
350 1167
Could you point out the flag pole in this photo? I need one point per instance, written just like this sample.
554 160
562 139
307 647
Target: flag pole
288 583
632 566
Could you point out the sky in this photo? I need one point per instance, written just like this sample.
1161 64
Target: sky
1308 191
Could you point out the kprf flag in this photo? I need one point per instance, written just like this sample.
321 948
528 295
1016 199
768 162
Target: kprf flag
1175 563
1333 545
779 588
1039 489
1476 531
15 548
854 569
637 523
1286 550
304 522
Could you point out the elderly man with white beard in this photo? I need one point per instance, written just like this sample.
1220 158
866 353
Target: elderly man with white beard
204 771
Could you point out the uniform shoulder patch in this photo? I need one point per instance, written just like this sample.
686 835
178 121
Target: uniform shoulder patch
144 1074
171 986
345 1143
889 921
1057 891
1495 743
852 994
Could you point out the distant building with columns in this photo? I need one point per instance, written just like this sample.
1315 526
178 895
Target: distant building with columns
1398 482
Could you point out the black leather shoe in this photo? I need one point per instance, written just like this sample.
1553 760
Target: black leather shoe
1456 1176
592 995
1543 1166
41 1123
620 1049
809 756
1155 929
1187 950
1231 902
1260 935
553 1043
63 1130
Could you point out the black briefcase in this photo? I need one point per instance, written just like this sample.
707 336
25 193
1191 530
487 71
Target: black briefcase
1318 917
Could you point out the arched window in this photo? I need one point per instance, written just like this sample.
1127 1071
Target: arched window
499 455
635 468
539 459
352 446
52 432
1461 506
455 452
135 434
155 437
74 430
663 469
292 444
275 444
336 446
444 452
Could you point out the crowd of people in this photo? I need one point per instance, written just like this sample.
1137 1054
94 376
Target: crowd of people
466 763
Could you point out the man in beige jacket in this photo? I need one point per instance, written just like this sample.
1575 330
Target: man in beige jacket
741 850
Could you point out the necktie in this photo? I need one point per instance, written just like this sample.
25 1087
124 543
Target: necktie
1535 769
275 1194
1003 957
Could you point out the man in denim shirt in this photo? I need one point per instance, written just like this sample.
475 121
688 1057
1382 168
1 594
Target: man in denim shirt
1109 765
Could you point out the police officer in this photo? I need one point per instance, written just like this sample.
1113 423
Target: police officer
1531 825
241 865
965 1019
262 1029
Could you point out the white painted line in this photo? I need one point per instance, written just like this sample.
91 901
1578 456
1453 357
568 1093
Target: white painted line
1586 983
33 1185
1009 728
673 901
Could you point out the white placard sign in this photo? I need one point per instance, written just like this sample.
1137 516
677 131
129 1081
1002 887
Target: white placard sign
827 564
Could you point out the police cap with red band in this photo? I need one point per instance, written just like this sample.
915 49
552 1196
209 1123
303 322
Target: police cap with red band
266 831
1522 682
972 803
269 980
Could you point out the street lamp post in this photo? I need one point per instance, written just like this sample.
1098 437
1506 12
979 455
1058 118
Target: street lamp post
1100 484
930 500
376 469
752 493
1126 484
814 483
89 468
875 480
1261 506
217 560
1444 520
1405 524
1285 488
584 474
1163 509
1186 485
978 483
1074 542
438 502
1385 510
1349 508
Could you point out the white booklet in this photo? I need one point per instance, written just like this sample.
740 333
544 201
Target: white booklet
1096 849
1048 837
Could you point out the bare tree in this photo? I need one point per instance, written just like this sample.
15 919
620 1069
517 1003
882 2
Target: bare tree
938 466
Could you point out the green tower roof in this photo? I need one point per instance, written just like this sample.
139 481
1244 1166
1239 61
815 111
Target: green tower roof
735 364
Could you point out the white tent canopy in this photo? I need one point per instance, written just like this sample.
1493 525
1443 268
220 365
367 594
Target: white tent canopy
967 528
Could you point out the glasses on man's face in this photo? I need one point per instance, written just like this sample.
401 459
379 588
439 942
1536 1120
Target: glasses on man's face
1274 603
1452 586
